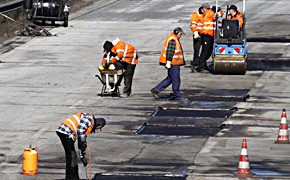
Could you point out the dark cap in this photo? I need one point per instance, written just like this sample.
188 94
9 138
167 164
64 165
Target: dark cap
98 122
108 45
178 29
233 7
214 9
206 5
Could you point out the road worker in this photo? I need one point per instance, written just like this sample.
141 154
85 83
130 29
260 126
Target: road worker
108 56
218 12
235 14
196 27
172 58
207 36
78 127
127 55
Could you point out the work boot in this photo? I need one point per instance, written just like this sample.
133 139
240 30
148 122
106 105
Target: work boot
126 95
192 67
155 93
172 97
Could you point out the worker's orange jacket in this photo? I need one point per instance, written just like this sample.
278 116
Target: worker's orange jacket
106 58
125 52
73 122
238 16
196 22
177 58
208 23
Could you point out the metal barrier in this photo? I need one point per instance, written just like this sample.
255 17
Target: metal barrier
11 6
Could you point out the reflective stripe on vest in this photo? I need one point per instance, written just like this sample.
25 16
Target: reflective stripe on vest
129 53
208 23
177 58
196 21
72 122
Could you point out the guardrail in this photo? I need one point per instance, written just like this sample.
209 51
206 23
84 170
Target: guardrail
11 6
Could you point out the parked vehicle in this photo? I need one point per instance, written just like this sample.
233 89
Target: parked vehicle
47 10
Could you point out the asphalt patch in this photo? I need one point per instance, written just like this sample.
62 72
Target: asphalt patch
186 121
147 129
192 113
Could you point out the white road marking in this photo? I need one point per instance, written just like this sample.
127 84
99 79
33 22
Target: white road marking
174 8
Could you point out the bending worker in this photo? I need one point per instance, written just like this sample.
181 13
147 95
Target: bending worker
78 127
108 56
127 55
196 25
172 58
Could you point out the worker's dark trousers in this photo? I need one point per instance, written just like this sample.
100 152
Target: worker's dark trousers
207 47
173 77
71 171
128 77
196 51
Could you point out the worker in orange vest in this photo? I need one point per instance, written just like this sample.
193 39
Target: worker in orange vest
172 58
207 36
235 14
128 56
108 56
196 24
77 127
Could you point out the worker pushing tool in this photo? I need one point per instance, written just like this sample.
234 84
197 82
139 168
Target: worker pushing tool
77 126
127 56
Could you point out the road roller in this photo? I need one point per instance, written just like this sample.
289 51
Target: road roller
230 45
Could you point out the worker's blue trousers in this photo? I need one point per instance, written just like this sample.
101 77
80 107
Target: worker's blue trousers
173 77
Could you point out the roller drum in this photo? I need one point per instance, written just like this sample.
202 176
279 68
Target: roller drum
227 66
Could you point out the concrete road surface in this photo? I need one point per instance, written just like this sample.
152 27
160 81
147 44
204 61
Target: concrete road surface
46 79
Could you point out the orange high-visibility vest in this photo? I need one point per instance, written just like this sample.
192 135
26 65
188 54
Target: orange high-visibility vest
208 23
125 52
196 22
238 16
178 52
73 122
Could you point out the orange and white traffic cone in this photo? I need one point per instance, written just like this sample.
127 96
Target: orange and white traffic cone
283 136
244 164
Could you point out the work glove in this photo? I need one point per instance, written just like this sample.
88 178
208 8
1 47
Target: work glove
101 68
196 35
168 65
112 67
83 157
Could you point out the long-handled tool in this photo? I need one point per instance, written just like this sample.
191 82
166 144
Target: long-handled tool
85 161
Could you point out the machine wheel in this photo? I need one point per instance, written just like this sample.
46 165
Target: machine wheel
65 22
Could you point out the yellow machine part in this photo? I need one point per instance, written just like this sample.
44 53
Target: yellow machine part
230 65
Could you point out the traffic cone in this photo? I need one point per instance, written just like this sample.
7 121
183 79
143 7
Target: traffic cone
244 165
283 136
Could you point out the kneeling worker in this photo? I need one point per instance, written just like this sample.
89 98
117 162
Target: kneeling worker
77 126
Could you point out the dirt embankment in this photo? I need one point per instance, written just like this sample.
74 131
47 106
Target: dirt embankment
7 27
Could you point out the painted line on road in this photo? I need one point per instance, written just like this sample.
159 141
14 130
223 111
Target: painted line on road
174 8
40 132
208 147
